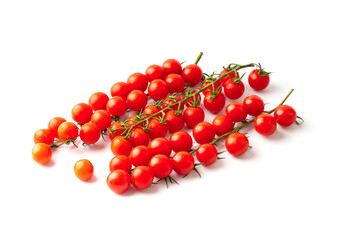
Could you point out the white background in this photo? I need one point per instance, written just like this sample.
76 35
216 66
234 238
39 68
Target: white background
54 54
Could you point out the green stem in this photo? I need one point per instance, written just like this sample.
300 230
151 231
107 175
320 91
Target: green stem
198 58
282 102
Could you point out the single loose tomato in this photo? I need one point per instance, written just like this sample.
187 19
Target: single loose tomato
42 153
154 72
214 103
181 141
83 169
161 166
183 162
54 124
139 137
236 111
116 106
193 116
117 129
68 130
120 89
222 124
171 66
192 74
89 133
254 105
102 119
121 146
258 79
160 145
207 154
81 113
265 124
236 144
118 181
156 128
136 100
137 81
233 90
98 101
142 177
174 122
175 83
285 115
192 101
157 89
140 155
120 162
43 136
203 132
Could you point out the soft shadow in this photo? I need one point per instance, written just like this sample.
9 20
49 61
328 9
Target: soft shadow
51 163
92 180
247 156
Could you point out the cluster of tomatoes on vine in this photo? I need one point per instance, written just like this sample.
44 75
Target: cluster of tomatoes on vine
139 142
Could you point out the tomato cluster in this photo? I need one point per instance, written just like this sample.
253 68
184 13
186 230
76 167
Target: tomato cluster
165 100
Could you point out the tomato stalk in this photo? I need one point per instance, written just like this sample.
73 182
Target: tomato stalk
198 58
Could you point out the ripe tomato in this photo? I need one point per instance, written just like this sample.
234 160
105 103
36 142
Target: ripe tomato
161 166
98 101
140 155
285 115
193 116
142 177
120 162
43 136
222 124
42 153
231 76
136 100
67 130
236 111
236 144
183 162
258 79
120 89
54 124
116 106
192 74
265 124
156 128
181 141
160 145
174 122
102 119
150 110
193 101
139 137
157 89
203 132
121 146
117 129
154 72
171 100
254 105
207 154
89 133
215 86
137 81
214 104
233 90
175 83
81 113
118 181
171 66
83 169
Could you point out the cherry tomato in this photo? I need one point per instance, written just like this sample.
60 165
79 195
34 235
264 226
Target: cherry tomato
116 106
193 101
254 105
231 76
67 130
181 141
193 116
98 101
236 111
222 124
161 166
214 104
203 132
137 81
174 122
139 137
120 162
207 154
121 146
102 119
175 83
136 100
118 181
150 110
171 66
160 145
142 177
183 162
120 89
156 128
192 74
236 144
53 125
140 155
265 124
43 136
154 72
233 90
81 113
157 89
285 115
215 86
83 169
258 79
42 153
117 129
171 100
89 133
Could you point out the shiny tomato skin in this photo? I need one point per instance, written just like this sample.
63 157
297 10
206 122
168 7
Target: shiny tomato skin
265 124
254 105
89 133
233 90
174 122
203 132
139 137
258 82
160 145
83 169
236 111
156 128
214 104
183 162
118 181
117 128
120 162
98 101
193 101
158 89
54 124
102 119
231 76
193 116
136 100
121 146
207 154
171 66
181 141
154 72
150 110
116 106
140 155
161 165
43 136
120 89
192 74
285 115
142 177
42 153
236 144
81 113
68 130
175 83
222 124
137 81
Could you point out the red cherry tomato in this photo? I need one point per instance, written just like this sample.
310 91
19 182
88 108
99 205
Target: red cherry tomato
203 132
171 100
117 129
43 136
120 162
181 141
54 124
232 75
157 89
285 115
192 74
83 169
139 137
214 87
258 80
118 181
160 145
42 153
214 104
161 166
233 90
193 116
136 100
236 111
175 83
102 119
171 66
265 124
116 106
67 130
120 89
207 154
254 105
98 101
142 177
156 128
236 144
89 133
193 101
81 113
154 72
121 146
150 110
222 124
174 122
137 81
140 155
183 162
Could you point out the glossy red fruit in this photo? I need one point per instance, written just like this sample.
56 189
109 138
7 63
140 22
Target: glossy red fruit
174 122
193 116
236 144
258 79
183 162
142 177
161 166
136 100
192 74
154 72
285 115
117 130
43 136
67 130
157 89
213 103
222 124
102 119
236 111
140 155
203 132
121 146
233 90
120 89
207 154
160 146
265 124
54 124
139 137
156 128
116 106
175 83
98 101
118 181
81 113
171 66
254 105
89 133
120 162
181 141
137 81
